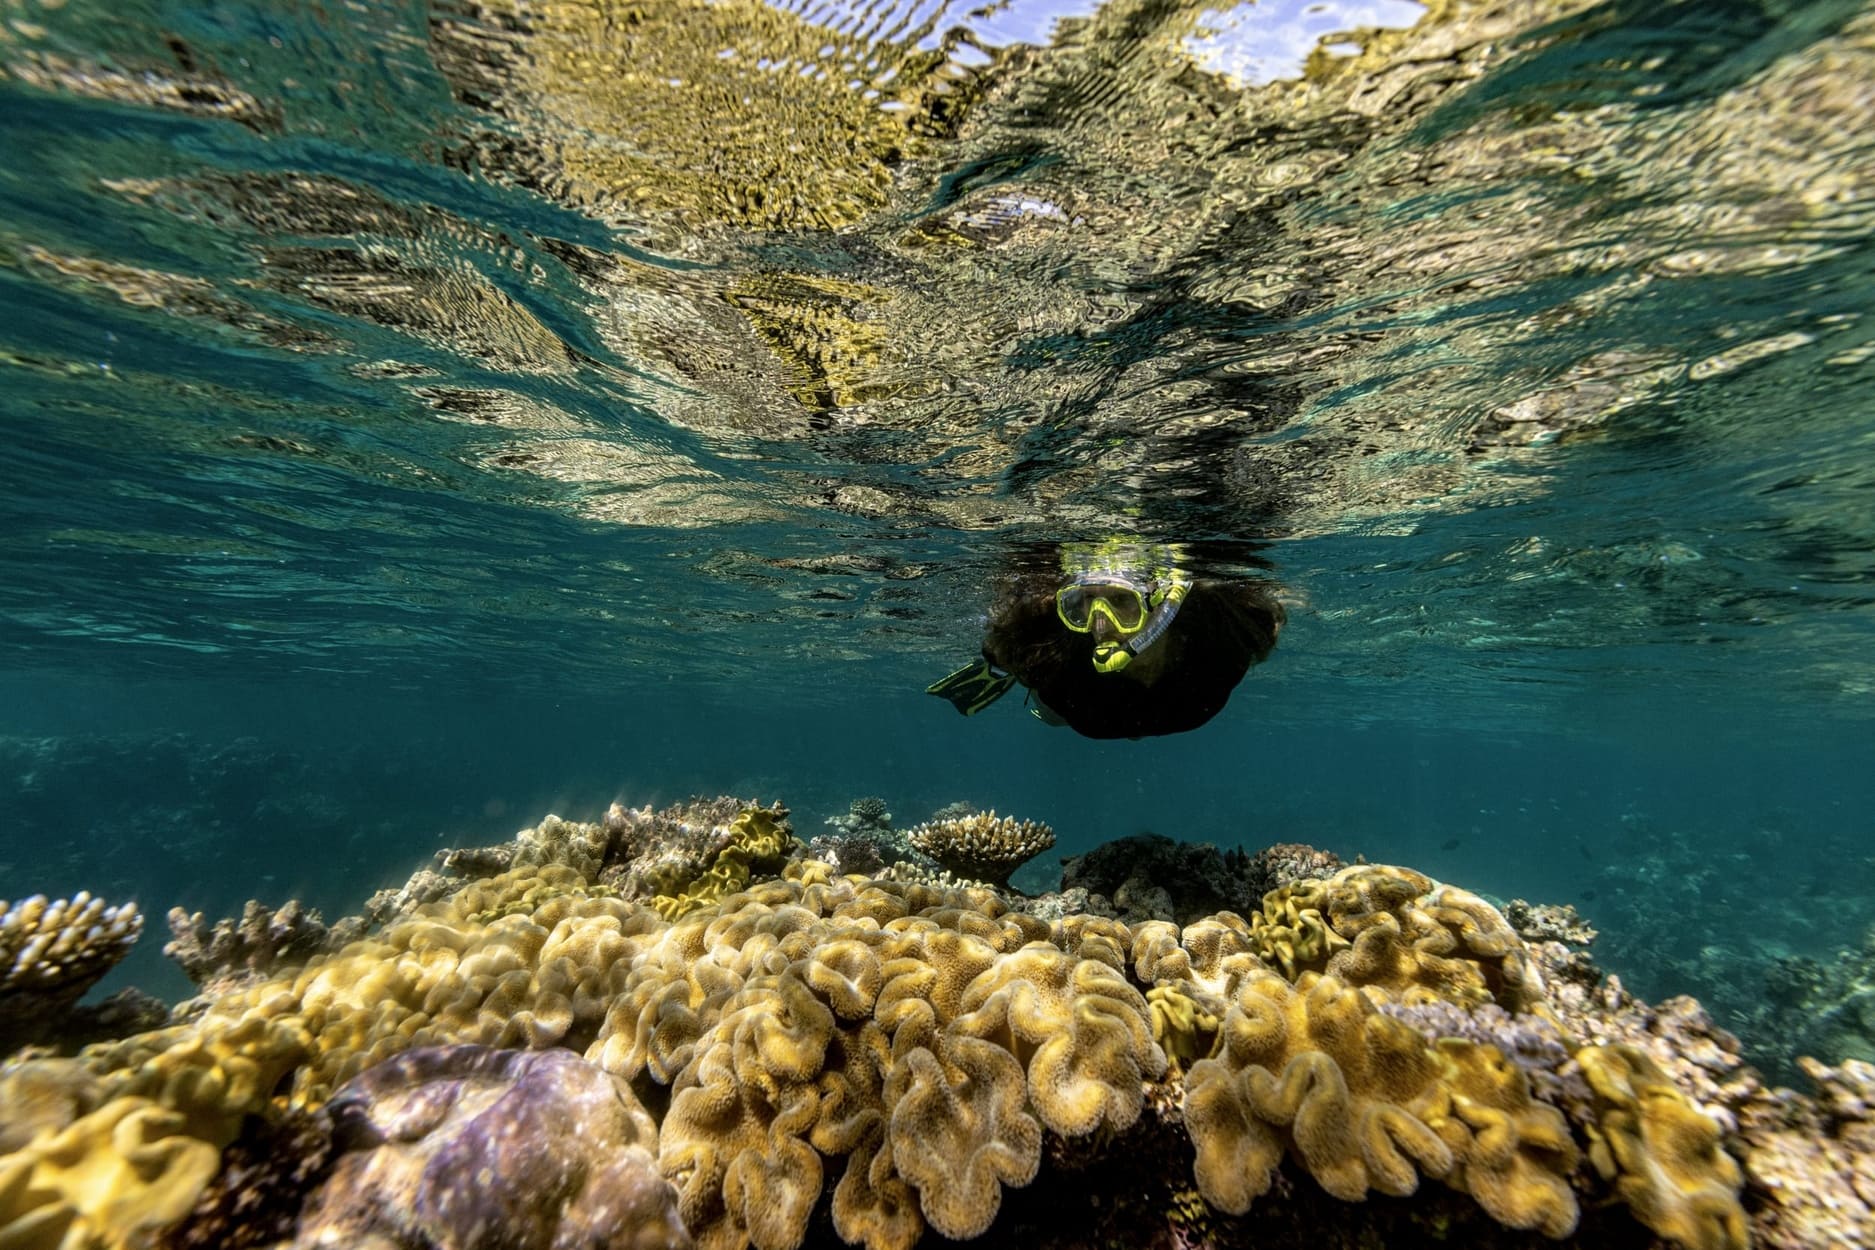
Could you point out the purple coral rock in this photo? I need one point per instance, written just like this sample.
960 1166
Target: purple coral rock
471 1148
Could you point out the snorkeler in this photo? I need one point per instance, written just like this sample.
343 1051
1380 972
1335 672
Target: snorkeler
1119 642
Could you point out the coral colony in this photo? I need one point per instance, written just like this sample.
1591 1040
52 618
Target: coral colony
685 1028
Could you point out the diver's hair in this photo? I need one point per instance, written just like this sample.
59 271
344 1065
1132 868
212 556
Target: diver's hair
1024 634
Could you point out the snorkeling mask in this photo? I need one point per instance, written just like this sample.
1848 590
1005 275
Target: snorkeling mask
1139 613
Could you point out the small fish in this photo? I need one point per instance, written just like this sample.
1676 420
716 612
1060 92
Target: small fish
1586 853
1588 896
1451 844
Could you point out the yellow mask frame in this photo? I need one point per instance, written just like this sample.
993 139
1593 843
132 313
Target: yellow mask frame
1123 603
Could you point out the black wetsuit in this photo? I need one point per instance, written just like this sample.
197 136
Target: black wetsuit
1222 628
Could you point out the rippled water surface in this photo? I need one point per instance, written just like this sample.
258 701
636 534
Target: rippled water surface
1523 345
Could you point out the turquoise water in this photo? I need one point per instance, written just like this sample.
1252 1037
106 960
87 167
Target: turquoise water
418 418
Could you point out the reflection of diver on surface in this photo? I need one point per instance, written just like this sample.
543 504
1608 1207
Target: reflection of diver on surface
1119 641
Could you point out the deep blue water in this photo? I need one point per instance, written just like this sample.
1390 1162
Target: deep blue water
408 432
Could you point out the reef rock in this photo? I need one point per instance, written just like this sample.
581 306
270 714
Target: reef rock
471 1148
1283 863
1810 1163
863 840
1549 922
1152 877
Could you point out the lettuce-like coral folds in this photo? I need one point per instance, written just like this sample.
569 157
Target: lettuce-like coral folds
890 1056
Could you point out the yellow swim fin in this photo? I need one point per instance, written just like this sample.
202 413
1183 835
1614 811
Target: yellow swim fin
973 687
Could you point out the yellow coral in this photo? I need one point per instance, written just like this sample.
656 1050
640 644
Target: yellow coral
1291 933
1083 1030
961 1130
1663 1154
112 1178
734 1139
913 1041
1366 1103
1399 932
1093 937
1521 1152
114 1175
1185 1025
861 1015
758 842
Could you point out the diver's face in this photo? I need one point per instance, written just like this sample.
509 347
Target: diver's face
1104 630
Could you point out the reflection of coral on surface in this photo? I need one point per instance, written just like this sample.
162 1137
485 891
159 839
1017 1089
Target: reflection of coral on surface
776 1059
983 846
51 952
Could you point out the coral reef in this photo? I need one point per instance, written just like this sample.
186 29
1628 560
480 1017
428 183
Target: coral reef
1286 863
1398 931
1366 1103
1532 1042
650 853
1152 877
757 840
263 943
982 847
1140 875
266 1174
1793 1006
634 853
816 1056
862 840
1808 1161
1662 1152
51 952
1677 918
1548 922
1811 1162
